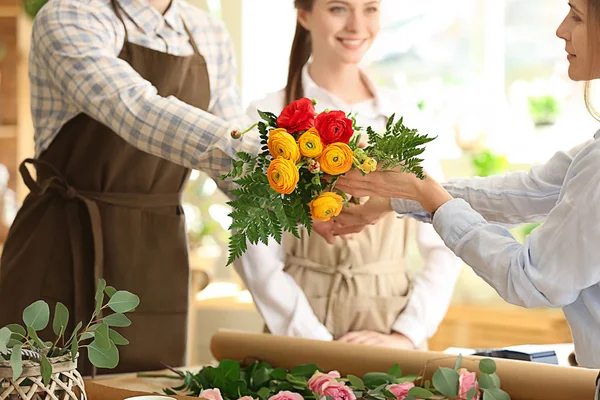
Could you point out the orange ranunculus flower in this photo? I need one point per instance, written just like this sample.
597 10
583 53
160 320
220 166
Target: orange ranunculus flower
310 144
326 206
282 144
336 159
283 175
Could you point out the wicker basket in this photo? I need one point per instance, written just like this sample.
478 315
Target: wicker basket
66 383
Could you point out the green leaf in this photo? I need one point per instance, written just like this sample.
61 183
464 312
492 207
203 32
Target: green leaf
37 315
420 393
5 335
123 301
264 393
101 335
458 362
410 398
75 331
117 320
103 358
372 379
260 376
35 337
395 371
495 394
74 348
427 384
100 295
306 370
487 381
86 336
279 373
17 329
356 382
117 338
16 362
471 393
231 369
487 366
110 291
445 380
46 369
61 318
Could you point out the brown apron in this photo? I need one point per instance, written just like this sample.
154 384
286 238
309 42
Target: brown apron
357 284
102 208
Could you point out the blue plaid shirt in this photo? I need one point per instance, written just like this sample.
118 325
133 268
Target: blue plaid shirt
74 68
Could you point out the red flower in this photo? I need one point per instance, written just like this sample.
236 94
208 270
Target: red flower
333 126
297 116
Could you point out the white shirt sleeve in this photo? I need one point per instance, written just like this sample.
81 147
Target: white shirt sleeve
278 297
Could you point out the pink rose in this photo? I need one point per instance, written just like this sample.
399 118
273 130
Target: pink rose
338 391
316 382
211 394
246 398
400 390
467 380
285 395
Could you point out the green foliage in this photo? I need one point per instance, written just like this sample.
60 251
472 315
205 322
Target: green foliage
543 109
398 146
261 381
32 7
18 343
487 163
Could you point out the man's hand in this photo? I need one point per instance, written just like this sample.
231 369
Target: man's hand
372 338
355 218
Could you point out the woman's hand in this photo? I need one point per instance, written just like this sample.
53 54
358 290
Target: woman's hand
394 339
395 184
355 218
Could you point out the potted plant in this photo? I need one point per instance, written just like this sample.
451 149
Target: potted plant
33 368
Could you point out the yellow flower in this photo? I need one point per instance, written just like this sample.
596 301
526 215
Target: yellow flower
310 143
369 165
336 159
326 206
282 144
283 175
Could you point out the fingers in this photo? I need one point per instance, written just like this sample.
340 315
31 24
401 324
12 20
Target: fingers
325 229
362 337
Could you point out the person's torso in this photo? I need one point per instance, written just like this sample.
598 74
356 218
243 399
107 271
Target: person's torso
145 27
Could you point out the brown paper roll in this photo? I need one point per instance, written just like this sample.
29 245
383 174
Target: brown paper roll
522 380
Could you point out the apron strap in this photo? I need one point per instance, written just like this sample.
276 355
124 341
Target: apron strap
192 40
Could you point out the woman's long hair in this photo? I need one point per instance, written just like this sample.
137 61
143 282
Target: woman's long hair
594 40
299 56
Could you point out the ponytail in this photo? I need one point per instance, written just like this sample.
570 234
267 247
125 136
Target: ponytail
299 56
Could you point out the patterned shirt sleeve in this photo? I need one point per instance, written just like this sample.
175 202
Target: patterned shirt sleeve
73 42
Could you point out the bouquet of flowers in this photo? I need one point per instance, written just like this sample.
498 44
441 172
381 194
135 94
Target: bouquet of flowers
293 179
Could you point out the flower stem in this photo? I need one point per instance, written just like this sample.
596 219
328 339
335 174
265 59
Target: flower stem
238 134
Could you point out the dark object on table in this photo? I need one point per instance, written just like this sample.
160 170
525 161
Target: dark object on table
545 357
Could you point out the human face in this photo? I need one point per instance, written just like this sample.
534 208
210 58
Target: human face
341 30
574 31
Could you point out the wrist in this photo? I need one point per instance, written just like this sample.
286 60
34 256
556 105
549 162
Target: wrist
431 195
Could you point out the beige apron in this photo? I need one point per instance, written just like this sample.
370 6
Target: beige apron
357 284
